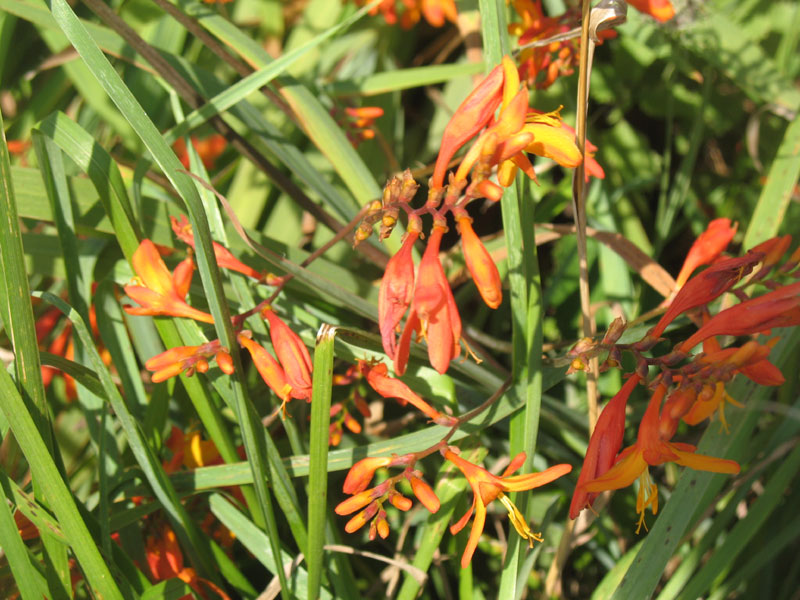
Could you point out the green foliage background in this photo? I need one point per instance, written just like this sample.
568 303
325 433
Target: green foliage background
694 119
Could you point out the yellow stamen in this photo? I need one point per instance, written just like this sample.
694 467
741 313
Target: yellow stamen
647 497
519 522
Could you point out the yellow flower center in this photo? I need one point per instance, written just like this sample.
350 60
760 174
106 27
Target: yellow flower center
519 522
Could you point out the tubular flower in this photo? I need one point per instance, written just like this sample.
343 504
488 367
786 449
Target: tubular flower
188 360
603 446
651 449
706 248
389 387
183 231
480 264
470 117
660 10
435 306
779 308
361 473
487 487
707 286
158 292
504 138
396 292
292 354
270 370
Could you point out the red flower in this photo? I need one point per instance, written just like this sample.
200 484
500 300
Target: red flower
292 353
487 487
435 306
603 446
209 149
706 248
161 294
474 113
270 370
652 449
396 292
779 308
189 359
707 286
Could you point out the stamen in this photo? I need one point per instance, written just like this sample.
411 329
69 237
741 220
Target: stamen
519 522
647 497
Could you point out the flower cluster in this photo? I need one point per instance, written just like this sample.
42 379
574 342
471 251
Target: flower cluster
689 387
502 146
435 12
161 293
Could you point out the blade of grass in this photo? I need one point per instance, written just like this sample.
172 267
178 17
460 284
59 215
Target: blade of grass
318 456
774 199
59 497
151 467
17 316
169 164
722 559
30 581
255 81
257 543
526 308
78 285
402 79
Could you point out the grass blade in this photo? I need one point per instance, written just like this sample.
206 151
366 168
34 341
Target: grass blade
318 456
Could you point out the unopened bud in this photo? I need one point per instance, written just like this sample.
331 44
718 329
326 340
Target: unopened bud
615 331
225 362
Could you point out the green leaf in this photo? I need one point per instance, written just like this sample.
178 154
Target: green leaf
770 211
318 456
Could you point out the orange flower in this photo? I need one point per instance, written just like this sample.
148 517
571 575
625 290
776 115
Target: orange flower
208 149
480 264
487 487
161 294
651 449
292 354
270 370
165 559
396 292
474 113
388 387
552 60
706 248
189 359
603 446
435 306
661 10
183 231
359 123
361 473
